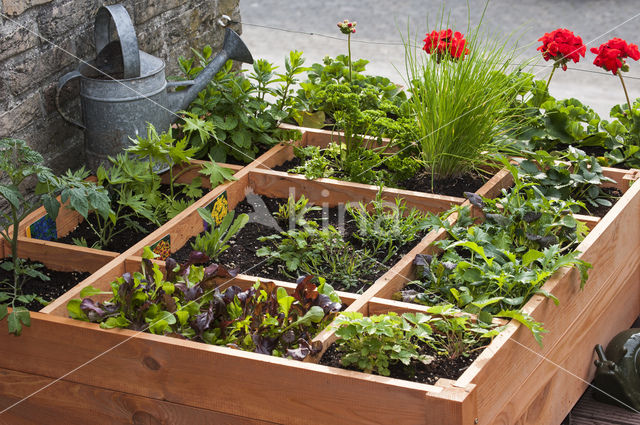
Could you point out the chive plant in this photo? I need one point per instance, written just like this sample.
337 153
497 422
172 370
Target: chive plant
462 92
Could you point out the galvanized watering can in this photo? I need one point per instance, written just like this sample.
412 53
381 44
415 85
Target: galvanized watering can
133 92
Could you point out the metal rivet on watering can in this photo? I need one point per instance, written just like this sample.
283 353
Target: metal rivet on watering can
618 373
125 88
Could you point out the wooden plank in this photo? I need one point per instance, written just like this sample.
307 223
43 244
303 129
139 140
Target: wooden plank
73 403
623 178
63 257
590 221
258 386
100 279
276 156
607 247
188 222
331 192
589 411
551 390
492 188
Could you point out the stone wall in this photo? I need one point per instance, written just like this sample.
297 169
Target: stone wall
41 40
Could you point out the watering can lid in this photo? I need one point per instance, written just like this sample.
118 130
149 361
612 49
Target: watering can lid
126 34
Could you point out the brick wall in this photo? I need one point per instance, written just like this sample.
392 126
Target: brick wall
30 67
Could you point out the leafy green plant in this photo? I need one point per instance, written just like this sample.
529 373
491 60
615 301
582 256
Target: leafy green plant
374 343
295 211
214 240
461 105
545 123
361 166
384 226
314 107
186 301
19 166
496 266
162 151
131 190
322 252
238 118
579 178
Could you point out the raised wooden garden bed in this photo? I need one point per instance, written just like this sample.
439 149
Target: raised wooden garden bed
125 376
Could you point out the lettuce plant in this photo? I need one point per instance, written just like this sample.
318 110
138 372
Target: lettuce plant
186 302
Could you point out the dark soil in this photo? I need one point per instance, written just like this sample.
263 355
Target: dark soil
242 252
440 367
601 211
454 186
123 240
119 243
60 283
288 165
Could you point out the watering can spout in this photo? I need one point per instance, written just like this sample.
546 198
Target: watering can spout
233 48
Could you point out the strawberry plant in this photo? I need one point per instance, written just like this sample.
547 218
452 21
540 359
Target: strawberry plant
496 266
374 343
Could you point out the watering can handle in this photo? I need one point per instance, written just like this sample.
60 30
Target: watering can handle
126 34
63 81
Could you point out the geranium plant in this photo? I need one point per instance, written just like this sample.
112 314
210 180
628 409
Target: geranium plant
561 46
611 56
445 44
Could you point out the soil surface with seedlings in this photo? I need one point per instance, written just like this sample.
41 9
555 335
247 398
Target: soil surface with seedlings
453 186
416 371
600 211
60 283
119 243
123 240
242 252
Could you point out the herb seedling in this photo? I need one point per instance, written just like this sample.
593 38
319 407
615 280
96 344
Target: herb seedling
214 240
386 226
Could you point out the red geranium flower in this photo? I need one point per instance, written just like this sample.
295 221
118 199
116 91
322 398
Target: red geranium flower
611 55
445 43
561 46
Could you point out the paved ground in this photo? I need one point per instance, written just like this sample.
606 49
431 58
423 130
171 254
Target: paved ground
596 21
